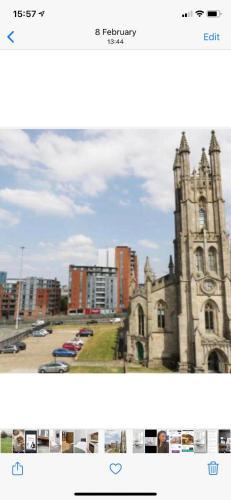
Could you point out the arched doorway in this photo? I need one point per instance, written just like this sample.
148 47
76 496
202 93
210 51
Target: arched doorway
217 362
140 351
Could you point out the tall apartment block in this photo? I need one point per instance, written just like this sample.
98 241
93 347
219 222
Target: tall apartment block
127 264
105 286
39 297
93 288
8 298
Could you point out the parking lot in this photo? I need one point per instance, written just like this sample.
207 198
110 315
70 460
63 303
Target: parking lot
38 351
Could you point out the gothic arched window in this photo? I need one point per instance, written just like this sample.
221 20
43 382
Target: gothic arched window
199 260
140 320
202 213
209 317
212 258
161 315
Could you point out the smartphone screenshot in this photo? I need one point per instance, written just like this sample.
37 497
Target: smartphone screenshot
115 265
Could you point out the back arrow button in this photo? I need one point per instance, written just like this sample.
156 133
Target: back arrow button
10 37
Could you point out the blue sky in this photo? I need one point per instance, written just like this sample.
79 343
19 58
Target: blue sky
66 193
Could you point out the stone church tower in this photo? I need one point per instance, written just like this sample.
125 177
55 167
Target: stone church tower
185 316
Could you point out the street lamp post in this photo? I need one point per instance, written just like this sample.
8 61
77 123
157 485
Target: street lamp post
19 288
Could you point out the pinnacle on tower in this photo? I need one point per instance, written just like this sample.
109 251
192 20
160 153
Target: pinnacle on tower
132 285
147 266
177 162
171 265
214 146
204 163
184 147
148 270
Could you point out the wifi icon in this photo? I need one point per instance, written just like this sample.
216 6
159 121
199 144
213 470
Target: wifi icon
199 13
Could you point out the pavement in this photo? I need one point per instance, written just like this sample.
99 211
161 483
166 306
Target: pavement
7 332
38 351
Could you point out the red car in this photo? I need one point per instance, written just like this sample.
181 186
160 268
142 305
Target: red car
71 347
85 332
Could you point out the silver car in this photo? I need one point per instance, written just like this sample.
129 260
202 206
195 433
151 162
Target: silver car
9 349
54 367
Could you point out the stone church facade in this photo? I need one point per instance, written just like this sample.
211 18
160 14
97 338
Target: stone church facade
183 319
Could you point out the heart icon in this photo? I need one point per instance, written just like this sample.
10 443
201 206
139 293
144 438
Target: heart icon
115 468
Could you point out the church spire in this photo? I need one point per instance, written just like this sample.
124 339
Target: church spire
214 152
132 285
184 152
204 163
171 266
177 163
148 272
214 146
184 147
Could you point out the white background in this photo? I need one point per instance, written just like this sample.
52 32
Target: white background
115 89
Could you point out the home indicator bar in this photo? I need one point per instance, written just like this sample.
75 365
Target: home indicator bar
113 494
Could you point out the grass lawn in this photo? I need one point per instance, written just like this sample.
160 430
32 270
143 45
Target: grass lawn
6 445
100 347
95 369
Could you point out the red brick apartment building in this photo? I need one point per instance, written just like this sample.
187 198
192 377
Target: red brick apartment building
126 264
8 301
38 298
103 287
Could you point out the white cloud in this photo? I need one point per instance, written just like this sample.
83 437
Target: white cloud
77 249
148 244
43 202
86 164
7 218
50 259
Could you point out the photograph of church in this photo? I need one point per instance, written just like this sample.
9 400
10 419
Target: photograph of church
182 320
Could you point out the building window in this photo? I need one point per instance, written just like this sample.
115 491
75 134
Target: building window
199 260
141 320
161 315
209 318
202 213
212 255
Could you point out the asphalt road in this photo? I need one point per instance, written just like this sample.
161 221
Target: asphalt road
39 351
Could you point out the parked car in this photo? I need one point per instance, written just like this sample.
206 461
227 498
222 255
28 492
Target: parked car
54 367
71 347
21 345
115 320
9 349
44 330
39 322
61 352
38 333
77 341
85 332
57 322
92 322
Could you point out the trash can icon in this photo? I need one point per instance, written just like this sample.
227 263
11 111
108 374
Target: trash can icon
213 468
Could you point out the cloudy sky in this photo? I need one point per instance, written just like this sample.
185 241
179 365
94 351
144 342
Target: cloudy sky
66 193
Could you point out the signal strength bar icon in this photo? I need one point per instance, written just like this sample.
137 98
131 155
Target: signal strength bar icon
187 14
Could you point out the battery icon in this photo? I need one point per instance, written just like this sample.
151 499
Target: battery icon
214 13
